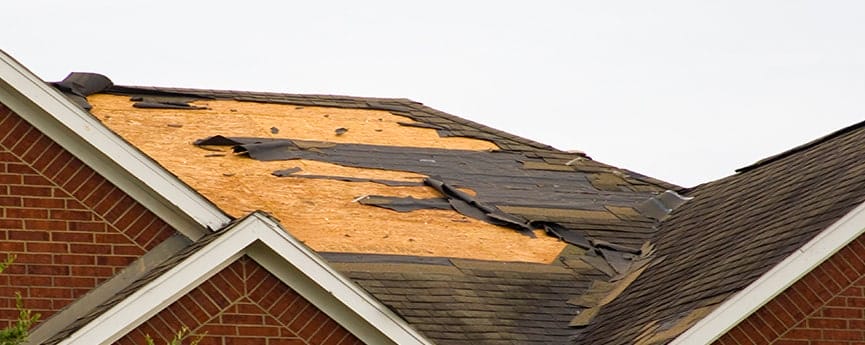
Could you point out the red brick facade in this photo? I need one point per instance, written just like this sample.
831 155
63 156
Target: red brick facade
69 228
244 304
825 307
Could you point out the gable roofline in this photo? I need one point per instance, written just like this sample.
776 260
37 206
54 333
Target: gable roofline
263 240
107 153
802 261
802 147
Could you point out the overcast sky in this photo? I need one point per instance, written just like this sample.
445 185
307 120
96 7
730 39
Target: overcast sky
684 91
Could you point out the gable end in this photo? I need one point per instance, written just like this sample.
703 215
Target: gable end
68 227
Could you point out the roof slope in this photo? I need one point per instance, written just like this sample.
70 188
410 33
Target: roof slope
463 190
459 301
312 189
732 232
362 177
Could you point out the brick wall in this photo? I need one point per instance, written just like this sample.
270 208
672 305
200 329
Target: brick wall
244 304
823 308
69 228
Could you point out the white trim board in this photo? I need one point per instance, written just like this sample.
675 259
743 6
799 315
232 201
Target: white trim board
744 303
105 152
262 239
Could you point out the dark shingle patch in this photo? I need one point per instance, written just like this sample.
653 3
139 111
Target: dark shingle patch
461 301
508 193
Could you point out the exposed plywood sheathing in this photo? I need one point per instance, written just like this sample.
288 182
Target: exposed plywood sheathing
319 212
252 119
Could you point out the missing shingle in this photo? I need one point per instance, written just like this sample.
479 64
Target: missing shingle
493 175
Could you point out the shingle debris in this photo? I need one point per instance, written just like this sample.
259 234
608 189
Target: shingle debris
77 86
499 178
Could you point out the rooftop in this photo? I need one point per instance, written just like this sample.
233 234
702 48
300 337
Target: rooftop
466 232
324 191
475 235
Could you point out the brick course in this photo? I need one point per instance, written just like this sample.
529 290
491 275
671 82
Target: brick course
825 307
244 304
69 228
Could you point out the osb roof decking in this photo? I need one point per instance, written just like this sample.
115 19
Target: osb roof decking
319 212
325 214
732 232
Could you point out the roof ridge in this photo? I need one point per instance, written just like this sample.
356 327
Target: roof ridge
800 148
228 92
480 126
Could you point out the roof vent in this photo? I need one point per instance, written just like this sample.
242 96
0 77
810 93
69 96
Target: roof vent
659 206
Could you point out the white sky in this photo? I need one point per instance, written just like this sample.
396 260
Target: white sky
685 91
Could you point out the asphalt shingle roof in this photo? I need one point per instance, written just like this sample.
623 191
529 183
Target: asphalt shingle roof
730 233
733 231
458 301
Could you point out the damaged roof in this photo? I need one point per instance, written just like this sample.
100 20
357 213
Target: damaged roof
473 235
326 165
732 232
529 241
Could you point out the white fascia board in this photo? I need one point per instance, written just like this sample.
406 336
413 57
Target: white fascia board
261 238
104 151
775 281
